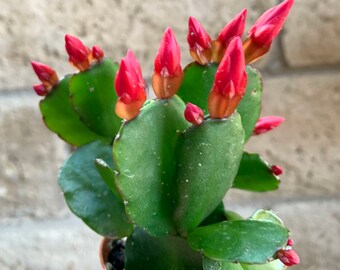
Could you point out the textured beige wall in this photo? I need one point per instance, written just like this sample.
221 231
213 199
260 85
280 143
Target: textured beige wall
302 83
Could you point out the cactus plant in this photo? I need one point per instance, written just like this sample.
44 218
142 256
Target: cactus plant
156 171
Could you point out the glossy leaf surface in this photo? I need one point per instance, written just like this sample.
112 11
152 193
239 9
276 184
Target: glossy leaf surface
59 117
254 174
88 196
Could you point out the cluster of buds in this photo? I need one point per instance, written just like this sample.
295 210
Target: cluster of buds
287 255
80 56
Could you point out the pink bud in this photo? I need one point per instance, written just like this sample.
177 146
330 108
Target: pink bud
130 87
46 74
290 242
265 30
276 170
267 123
79 55
193 114
199 42
97 53
288 257
230 82
234 28
168 72
40 89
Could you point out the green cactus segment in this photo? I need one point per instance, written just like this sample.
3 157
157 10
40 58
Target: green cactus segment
267 215
254 175
145 160
108 175
203 179
59 117
146 252
216 216
94 98
197 84
209 264
88 196
231 215
243 241
250 106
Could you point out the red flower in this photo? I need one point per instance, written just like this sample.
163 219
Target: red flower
193 114
290 242
267 123
265 30
97 53
288 257
79 55
46 75
130 87
234 28
276 170
199 42
230 82
168 72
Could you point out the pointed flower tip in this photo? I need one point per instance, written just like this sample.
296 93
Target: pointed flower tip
234 28
40 89
199 42
230 82
277 170
79 55
290 242
130 87
193 114
97 53
46 74
267 123
288 257
168 73
265 30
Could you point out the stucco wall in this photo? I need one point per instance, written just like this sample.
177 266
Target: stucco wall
302 83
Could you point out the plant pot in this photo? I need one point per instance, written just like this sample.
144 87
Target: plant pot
112 253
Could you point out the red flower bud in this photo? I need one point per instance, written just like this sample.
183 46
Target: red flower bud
290 242
265 30
168 72
130 87
267 123
234 28
79 55
276 170
193 114
40 89
288 257
97 53
46 74
230 82
199 42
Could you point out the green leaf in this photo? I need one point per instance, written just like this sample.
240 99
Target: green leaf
209 264
244 241
169 253
203 179
267 215
108 175
59 117
145 160
216 216
88 196
197 83
230 215
94 98
254 175
250 106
